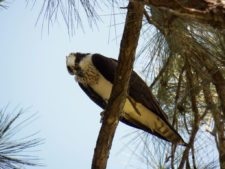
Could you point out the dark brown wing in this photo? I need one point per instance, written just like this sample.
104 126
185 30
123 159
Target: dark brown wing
142 94
138 90
137 87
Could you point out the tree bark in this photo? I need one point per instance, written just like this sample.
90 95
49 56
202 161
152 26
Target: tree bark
208 12
119 92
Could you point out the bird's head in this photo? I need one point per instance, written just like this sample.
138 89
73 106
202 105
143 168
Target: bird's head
74 63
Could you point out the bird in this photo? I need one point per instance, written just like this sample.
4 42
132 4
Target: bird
95 75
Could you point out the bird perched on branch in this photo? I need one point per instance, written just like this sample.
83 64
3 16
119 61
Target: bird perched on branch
95 75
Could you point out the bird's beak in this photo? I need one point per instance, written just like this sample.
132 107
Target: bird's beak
70 70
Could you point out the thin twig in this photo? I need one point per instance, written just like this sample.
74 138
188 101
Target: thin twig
196 121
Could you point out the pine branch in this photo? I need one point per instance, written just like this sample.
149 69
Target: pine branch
14 152
219 125
203 11
196 121
163 69
119 92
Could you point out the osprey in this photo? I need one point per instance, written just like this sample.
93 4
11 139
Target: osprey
95 75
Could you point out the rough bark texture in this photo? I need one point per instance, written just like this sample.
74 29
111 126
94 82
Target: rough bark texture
205 11
119 92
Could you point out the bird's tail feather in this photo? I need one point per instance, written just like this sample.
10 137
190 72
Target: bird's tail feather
167 131
164 131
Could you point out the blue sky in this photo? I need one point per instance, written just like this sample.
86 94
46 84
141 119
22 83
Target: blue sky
34 76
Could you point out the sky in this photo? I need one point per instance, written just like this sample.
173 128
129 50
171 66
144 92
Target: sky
34 77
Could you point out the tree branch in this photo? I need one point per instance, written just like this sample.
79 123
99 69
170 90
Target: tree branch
163 69
119 92
219 124
196 120
204 11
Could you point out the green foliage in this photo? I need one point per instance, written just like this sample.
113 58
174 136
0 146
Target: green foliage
186 46
14 150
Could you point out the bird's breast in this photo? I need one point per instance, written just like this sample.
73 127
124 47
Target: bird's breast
103 87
